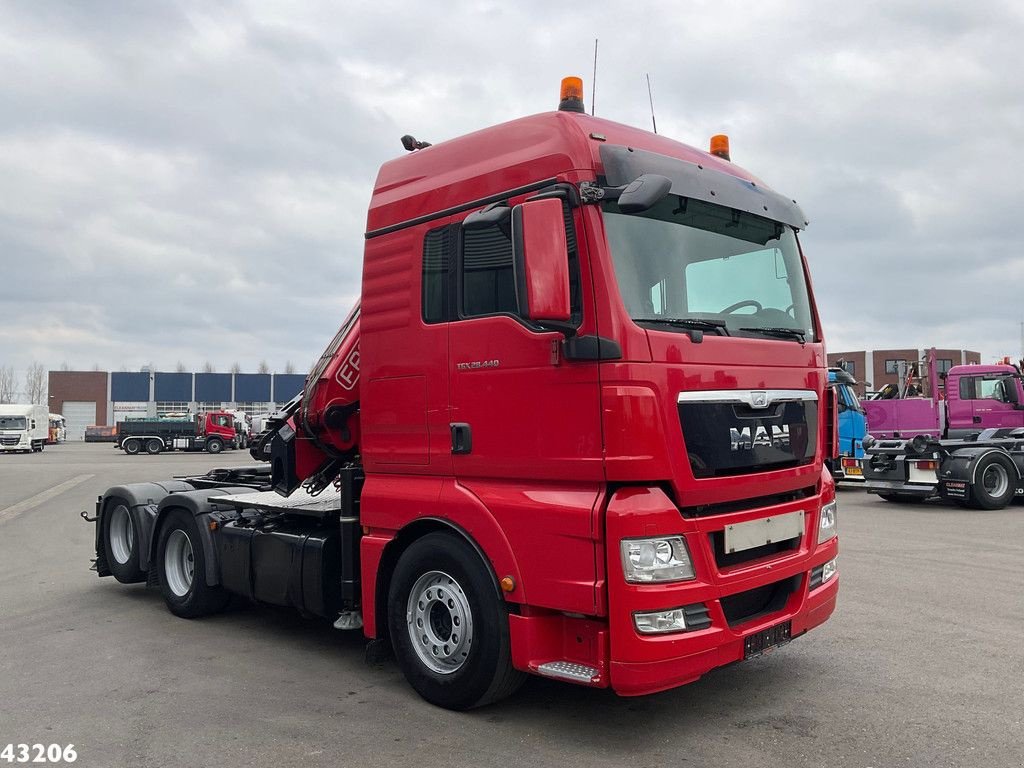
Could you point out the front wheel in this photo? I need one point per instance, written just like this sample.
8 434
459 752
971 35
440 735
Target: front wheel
448 625
181 569
214 446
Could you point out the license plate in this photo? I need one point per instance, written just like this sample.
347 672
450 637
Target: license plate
767 639
765 530
854 471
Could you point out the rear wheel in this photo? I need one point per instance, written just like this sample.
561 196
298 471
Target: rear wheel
214 446
154 446
448 625
181 569
132 446
995 480
121 542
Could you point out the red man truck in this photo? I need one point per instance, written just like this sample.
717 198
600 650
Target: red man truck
576 427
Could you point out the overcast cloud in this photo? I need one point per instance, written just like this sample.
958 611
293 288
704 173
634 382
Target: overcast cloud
188 181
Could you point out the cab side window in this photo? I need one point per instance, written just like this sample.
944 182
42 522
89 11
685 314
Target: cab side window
488 279
488 275
436 266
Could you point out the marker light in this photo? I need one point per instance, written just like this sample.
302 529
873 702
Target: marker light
571 95
720 146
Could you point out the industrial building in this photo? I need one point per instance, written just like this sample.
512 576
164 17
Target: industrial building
86 398
876 368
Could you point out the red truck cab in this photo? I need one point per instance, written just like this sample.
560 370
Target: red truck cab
636 449
576 427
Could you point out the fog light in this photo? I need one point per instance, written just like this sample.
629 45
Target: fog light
657 622
828 570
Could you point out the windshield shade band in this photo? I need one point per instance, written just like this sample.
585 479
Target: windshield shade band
623 165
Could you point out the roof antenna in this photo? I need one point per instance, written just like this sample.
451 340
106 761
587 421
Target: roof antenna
593 87
650 98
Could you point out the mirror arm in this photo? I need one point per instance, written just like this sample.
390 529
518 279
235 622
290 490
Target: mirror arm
567 329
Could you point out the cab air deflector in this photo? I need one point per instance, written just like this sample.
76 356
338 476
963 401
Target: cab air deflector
623 165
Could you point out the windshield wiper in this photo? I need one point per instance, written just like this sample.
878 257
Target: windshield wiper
697 323
793 333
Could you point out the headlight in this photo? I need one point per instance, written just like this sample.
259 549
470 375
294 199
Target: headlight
827 522
656 560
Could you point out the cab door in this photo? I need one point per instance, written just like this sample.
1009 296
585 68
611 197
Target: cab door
993 406
526 421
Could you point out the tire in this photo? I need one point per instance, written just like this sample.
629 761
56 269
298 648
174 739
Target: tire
121 541
466 660
181 569
154 446
901 498
132 446
214 446
995 481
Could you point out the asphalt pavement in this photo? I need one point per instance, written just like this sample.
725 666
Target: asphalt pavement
921 665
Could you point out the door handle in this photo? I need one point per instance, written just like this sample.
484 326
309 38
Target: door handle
462 437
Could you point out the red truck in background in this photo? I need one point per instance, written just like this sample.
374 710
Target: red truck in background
212 432
576 427
964 442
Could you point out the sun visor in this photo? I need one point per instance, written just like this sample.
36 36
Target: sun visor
622 165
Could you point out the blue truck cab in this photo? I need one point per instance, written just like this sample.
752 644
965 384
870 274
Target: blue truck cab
853 425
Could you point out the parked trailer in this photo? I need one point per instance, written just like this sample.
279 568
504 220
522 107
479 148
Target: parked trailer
537 448
212 432
984 470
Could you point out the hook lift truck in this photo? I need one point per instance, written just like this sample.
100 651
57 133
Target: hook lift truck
964 443
576 427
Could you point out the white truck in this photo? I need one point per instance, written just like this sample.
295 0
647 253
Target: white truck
23 428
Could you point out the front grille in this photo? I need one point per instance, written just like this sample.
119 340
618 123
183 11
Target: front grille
744 606
726 437
10 440
725 507
725 559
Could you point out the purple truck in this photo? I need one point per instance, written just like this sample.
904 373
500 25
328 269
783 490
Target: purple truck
977 397
967 447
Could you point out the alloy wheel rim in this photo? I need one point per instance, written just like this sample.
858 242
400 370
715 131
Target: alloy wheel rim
179 563
440 622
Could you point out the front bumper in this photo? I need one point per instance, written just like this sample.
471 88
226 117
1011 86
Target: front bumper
642 664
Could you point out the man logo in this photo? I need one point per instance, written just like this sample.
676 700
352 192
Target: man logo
758 399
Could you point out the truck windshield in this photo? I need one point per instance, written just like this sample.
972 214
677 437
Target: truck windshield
849 398
735 273
13 422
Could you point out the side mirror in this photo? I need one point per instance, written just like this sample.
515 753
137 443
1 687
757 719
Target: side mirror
541 261
643 193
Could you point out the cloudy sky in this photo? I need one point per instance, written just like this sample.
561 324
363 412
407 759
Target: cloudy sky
188 181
